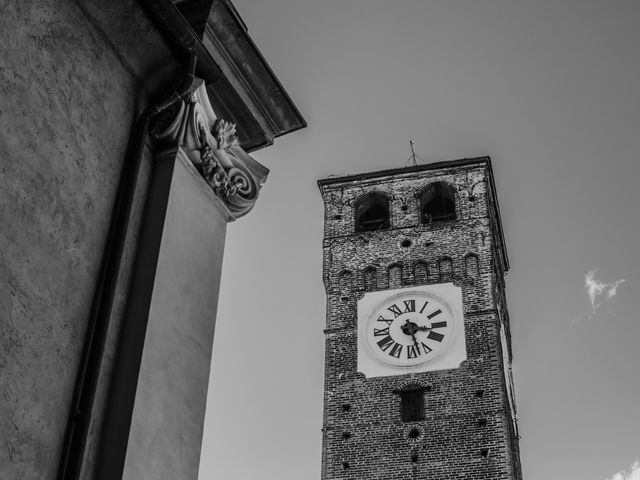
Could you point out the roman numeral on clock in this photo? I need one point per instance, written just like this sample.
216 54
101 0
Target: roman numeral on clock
435 336
396 350
424 306
413 351
438 324
431 315
386 343
409 306
379 332
386 320
395 310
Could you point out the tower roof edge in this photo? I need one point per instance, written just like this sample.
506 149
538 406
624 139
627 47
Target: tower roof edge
394 171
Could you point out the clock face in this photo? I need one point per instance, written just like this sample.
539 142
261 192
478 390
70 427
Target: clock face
410 328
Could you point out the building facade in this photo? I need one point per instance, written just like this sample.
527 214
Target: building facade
124 134
418 353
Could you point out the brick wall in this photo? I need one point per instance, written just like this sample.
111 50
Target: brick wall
464 434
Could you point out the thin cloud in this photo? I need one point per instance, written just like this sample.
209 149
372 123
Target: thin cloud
599 292
633 474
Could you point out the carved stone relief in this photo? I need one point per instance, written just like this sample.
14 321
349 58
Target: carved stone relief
211 145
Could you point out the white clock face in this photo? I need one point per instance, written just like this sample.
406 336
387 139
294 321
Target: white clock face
410 328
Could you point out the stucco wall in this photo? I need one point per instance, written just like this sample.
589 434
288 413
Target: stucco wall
72 78
170 397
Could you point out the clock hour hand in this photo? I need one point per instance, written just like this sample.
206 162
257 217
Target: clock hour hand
410 328
423 329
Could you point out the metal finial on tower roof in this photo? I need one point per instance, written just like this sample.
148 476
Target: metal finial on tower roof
413 156
413 153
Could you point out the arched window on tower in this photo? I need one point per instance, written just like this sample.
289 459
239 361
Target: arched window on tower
445 267
370 282
372 213
412 402
471 265
421 273
395 275
437 203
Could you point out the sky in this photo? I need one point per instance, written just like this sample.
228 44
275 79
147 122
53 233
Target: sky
549 89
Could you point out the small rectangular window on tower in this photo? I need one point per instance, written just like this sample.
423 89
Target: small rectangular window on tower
412 405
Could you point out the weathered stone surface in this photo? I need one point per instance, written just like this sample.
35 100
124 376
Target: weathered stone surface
68 102
74 75
117 319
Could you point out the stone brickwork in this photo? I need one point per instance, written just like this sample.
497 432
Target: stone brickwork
468 430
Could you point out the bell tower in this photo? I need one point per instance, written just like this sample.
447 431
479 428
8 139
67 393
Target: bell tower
418 350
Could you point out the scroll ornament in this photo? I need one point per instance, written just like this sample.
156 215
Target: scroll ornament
213 148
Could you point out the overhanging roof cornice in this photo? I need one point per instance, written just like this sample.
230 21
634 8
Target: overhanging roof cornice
242 87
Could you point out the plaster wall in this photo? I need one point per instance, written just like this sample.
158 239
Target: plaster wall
170 399
72 79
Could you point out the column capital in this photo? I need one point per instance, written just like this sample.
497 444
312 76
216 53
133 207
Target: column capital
211 145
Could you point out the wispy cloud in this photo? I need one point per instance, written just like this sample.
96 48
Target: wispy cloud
633 474
599 292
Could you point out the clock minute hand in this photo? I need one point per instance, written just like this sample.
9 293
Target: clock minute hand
410 328
423 329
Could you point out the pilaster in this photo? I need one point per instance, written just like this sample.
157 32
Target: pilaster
202 180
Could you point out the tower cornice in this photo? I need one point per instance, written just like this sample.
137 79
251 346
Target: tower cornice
399 171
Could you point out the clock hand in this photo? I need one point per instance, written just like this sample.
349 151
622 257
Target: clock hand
410 328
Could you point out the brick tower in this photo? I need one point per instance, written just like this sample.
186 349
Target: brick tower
417 361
